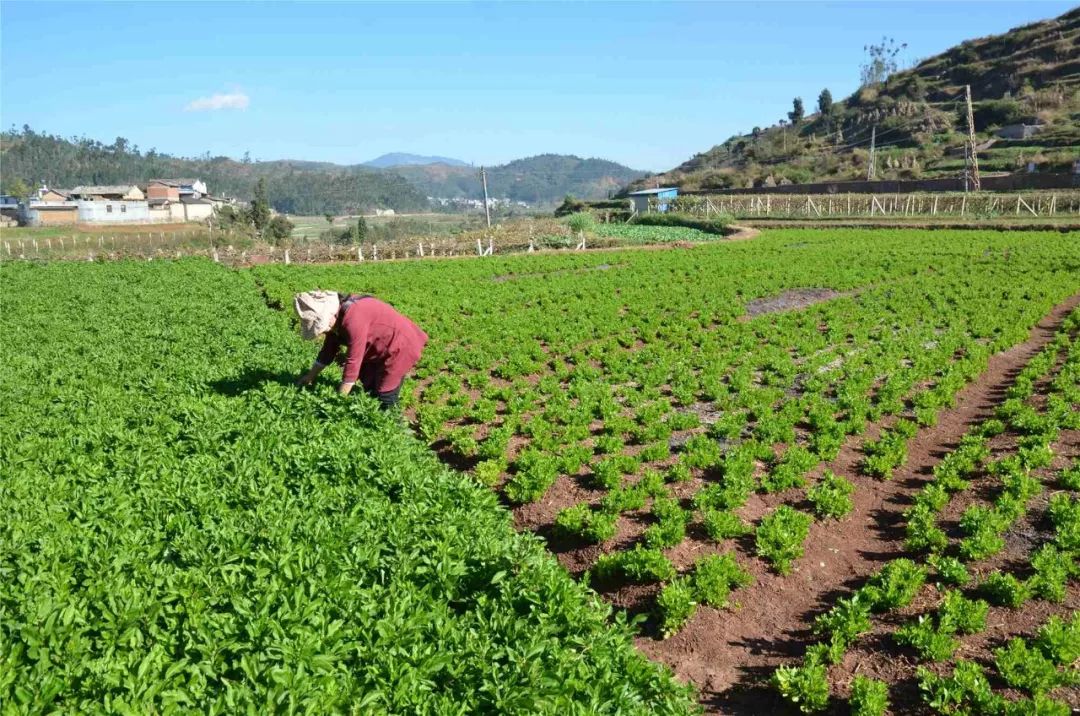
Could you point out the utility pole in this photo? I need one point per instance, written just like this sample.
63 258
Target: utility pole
487 212
870 170
973 158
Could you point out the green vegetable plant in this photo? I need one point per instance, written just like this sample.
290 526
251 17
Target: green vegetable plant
831 496
780 537
869 697
1026 668
806 687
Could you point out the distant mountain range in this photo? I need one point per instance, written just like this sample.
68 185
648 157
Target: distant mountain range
401 159
304 187
539 180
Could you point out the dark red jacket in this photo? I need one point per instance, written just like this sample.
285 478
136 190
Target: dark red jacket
381 344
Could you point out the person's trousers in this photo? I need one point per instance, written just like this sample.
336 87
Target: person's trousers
387 398
371 377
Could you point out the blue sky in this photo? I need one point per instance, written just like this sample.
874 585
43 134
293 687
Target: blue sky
645 84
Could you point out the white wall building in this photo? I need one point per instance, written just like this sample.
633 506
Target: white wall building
113 212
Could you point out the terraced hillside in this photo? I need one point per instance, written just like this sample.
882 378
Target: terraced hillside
1030 74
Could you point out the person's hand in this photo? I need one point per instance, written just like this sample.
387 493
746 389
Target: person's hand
305 380
345 388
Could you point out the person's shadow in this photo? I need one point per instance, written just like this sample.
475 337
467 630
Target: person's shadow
252 379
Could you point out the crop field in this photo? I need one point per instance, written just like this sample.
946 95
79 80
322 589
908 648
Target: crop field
811 470
185 532
685 428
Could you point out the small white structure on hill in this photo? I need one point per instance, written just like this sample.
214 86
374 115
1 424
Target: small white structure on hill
641 199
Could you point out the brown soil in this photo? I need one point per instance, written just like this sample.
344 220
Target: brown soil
742 233
788 300
729 655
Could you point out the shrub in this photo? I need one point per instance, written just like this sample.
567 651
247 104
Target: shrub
958 614
931 643
804 686
670 527
1052 569
1059 640
846 621
701 451
1070 477
1025 668
1005 590
582 521
638 564
581 222
535 474
831 497
922 530
949 570
679 472
677 604
789 470
933 497
724 524
895 585
488 472
889 451
670 218
652 484
967 690
780 537
1038 706
869 697
715 576
1064 514
624 499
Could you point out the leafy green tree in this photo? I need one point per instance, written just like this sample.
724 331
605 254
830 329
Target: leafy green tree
361 229
260 208
278 230
16 187
824 103
797 111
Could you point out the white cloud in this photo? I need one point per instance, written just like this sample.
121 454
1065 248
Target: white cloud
233 100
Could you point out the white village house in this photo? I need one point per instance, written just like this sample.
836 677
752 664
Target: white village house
163 201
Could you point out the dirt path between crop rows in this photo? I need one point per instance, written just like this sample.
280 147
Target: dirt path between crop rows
729 655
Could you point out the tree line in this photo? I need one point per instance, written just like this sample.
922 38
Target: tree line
30 158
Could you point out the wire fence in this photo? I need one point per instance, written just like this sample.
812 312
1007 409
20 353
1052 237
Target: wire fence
241 250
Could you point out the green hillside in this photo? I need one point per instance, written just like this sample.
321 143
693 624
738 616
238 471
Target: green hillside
304 187
294 187
1030 74
543 179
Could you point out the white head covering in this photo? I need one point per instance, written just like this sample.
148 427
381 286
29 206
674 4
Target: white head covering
317 311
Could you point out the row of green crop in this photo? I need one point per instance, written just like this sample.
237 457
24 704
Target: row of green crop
184 531
590 368
934 635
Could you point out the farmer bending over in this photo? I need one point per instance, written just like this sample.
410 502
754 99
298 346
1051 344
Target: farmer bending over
381 344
